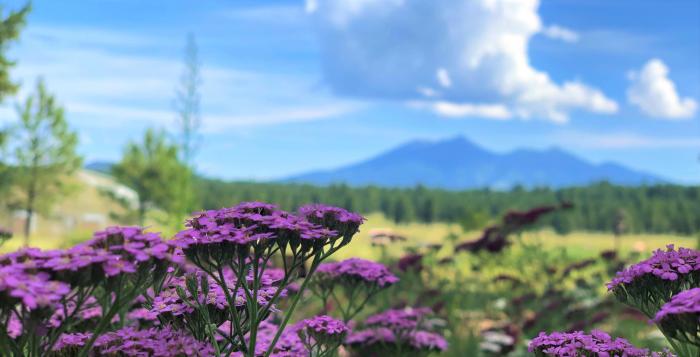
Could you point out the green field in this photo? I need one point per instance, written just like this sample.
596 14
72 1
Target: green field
576 244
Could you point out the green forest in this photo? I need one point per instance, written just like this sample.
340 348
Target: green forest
597 207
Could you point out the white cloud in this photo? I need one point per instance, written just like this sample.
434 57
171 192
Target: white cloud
443 78
655 94
494 111
105 84
396 49
560 33
279 115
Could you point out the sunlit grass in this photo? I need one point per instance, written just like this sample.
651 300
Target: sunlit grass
576 244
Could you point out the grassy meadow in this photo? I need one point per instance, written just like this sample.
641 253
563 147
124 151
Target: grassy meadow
576 244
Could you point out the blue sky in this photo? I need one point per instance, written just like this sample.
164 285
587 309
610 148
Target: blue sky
292 86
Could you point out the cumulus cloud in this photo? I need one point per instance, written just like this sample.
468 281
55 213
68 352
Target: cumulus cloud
560 33
655 94
461 54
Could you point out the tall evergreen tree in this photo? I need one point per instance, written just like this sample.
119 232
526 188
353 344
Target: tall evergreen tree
45 153
187 103
189 121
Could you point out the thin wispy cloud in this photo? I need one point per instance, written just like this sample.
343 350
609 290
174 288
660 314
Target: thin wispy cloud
101 84
557 32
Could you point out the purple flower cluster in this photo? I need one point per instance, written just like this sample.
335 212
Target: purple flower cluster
355 270
399 319
14 327
32 289
323 326
670 265
396 330
321 334
68 302
338 219
70 343
133 342
425 340
679 318
247 223
598 343
219 236
685 302
114 251
367 340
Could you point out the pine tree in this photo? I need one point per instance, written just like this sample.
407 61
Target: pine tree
189 121
45 153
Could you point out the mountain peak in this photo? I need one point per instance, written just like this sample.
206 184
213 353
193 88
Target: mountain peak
459 163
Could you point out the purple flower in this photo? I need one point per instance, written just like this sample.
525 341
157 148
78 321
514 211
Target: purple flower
14 327
235 229
370 337
70 343
424 340
33 290
337 219
365 342
141 314
323 326
679 318
151 342
114 251
358 270
577 343
685 302
399 319
324 213
666 265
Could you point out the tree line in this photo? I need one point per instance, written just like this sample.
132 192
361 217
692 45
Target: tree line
597 207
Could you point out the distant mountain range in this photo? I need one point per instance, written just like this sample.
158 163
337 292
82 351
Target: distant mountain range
458 163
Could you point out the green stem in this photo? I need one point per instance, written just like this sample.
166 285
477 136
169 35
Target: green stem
253 316
288 314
